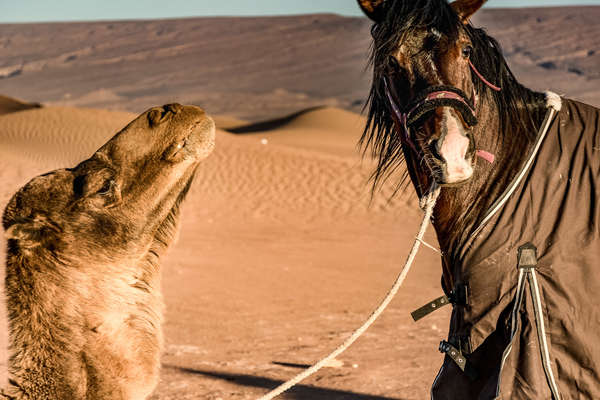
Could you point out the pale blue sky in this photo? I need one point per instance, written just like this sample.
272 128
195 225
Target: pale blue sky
85 10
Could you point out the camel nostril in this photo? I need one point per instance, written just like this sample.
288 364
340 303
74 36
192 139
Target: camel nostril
174 107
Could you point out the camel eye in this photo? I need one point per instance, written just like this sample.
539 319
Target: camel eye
467 51
173 151
179 145
106 188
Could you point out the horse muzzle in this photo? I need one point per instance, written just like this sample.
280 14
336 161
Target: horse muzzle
453 153
449 153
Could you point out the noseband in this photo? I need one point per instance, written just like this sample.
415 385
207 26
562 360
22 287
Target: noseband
432 98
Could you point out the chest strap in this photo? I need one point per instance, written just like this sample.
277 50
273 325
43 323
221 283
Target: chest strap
430 307
527 265
459 296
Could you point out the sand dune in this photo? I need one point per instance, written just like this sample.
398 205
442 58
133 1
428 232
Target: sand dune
281 254
322 129
9 105
58 135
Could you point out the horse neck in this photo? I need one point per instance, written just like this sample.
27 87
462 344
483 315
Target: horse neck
459 210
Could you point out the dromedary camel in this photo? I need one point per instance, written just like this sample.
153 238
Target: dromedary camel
82 273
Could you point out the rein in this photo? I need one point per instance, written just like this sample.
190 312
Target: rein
490 85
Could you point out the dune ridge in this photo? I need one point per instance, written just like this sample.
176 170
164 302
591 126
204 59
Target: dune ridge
10 105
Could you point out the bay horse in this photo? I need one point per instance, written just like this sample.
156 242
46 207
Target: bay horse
517 218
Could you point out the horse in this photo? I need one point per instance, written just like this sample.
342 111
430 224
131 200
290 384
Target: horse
517 218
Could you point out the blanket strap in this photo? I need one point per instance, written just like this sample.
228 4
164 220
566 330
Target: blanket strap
458 296
527 264
430 307
459 358
539 316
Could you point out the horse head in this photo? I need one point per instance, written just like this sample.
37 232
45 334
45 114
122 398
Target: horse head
423 75
442 95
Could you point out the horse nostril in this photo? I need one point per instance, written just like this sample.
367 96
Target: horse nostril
435 148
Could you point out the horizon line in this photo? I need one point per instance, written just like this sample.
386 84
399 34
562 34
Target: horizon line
129 18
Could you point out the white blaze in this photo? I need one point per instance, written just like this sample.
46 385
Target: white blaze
454 149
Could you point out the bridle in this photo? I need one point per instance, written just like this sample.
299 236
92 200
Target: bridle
432 98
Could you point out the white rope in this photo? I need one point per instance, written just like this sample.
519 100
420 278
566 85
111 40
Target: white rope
429 205
424 243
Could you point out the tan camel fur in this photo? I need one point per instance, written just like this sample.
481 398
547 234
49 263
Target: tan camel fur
82 272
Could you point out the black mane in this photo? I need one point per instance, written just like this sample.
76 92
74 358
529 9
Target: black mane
518 107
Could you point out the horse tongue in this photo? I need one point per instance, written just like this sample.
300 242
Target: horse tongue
489 157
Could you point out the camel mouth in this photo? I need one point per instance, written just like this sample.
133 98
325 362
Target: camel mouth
195 145
202 136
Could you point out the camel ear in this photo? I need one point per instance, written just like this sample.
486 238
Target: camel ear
372 9
466 8
26 234
31 232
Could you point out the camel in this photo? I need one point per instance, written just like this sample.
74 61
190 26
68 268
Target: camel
82 271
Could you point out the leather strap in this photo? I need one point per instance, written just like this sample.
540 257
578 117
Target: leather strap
429 308
459 358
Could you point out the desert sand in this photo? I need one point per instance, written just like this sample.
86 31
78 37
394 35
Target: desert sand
282 251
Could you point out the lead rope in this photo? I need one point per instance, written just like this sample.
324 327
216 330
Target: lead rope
427 204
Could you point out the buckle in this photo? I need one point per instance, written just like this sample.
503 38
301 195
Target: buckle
527 256
459 359
459 295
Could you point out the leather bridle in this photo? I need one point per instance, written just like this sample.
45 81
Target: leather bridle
432 98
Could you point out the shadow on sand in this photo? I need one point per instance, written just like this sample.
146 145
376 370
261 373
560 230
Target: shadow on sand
272 123
300 392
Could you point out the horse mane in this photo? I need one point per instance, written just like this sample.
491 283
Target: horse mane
520 109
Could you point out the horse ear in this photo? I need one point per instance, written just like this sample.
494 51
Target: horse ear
372 9
466 8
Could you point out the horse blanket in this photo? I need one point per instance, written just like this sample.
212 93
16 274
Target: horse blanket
528 326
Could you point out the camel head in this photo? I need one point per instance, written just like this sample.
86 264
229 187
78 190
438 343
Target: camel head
121 200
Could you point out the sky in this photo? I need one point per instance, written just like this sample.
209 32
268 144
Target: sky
86 10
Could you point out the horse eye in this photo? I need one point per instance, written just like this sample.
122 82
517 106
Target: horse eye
394 65
467 51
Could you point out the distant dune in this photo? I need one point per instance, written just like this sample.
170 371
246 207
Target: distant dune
321 129
9 105
259 68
